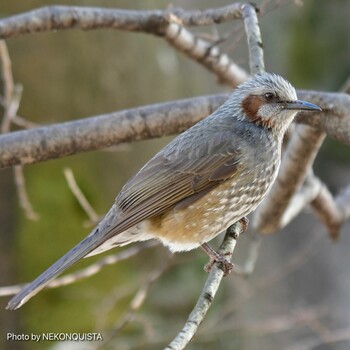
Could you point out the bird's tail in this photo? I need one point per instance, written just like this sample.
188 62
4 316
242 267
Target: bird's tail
78 252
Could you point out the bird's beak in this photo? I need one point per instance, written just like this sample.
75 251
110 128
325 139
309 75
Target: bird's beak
300 106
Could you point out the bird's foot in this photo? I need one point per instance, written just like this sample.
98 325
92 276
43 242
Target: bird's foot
245 223
224 264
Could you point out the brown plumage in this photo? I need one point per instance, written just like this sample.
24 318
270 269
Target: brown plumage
202 182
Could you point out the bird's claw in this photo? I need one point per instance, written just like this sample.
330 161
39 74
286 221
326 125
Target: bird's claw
225 265
245 222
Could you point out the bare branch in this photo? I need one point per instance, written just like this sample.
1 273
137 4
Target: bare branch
208 293
52 18
255 46
307 193
11 108
327 211
89 271
61 140
49 142
346 86
169 23
334 119
205 53
24 201
79 195
332 212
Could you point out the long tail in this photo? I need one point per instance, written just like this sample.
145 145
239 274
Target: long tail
78 252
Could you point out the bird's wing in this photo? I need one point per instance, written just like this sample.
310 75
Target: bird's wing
171 177
175 174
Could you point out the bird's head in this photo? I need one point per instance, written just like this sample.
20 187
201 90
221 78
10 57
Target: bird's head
270 101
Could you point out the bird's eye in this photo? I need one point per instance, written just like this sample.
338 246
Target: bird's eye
269 96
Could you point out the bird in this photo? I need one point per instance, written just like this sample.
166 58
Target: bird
203 181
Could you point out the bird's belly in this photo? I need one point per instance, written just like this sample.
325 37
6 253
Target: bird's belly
187 228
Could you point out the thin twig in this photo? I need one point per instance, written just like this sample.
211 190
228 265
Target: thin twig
6 73
138 300
12 98
86 272
24 201
79 195
11 108
24 123
208 293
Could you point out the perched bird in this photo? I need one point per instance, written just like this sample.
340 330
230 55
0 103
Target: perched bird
203 181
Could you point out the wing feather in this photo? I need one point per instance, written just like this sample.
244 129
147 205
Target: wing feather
172 176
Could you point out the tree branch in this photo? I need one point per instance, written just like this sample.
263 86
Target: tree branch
205 53
208 293
50 142
332 213
51 18
86 272
168 23
335 116
307 193
80 197
61 140
255 46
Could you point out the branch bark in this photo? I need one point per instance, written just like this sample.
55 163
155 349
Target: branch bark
208 293
205 53
61 140
334 119
51 18
255 46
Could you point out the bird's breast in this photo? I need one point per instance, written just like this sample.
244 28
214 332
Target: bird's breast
188 227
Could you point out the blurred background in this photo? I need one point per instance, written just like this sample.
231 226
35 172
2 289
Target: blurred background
299 294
